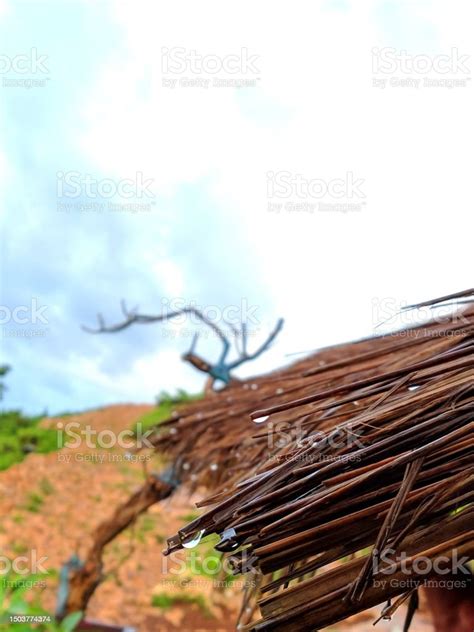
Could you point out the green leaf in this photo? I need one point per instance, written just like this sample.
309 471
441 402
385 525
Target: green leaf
69 623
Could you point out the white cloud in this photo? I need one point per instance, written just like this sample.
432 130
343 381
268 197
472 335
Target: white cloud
316 68
4 7
313 113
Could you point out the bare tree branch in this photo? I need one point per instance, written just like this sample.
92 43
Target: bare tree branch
84 581
133 316
246 357
219 370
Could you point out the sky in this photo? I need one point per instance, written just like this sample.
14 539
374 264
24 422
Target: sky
305 160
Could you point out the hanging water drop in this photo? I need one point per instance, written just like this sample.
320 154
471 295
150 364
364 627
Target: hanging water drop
190 544
260 420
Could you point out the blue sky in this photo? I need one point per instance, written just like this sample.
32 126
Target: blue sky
207 234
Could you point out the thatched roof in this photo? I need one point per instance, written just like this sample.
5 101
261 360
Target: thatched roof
394 468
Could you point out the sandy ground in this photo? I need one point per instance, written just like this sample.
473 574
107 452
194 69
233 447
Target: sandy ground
50 504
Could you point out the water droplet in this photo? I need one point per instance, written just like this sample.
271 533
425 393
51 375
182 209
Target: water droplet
173 431
260 420
193 477
214 467
186 466
254 387
413 388
190 544
279 391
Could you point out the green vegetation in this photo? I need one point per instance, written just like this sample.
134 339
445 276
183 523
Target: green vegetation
46 487
34 502
190 517
208 562
166 600
166 404
146 524
4 368
204 561
181 397
20 434
17 598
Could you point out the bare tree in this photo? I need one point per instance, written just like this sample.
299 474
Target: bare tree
77 587
217 371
